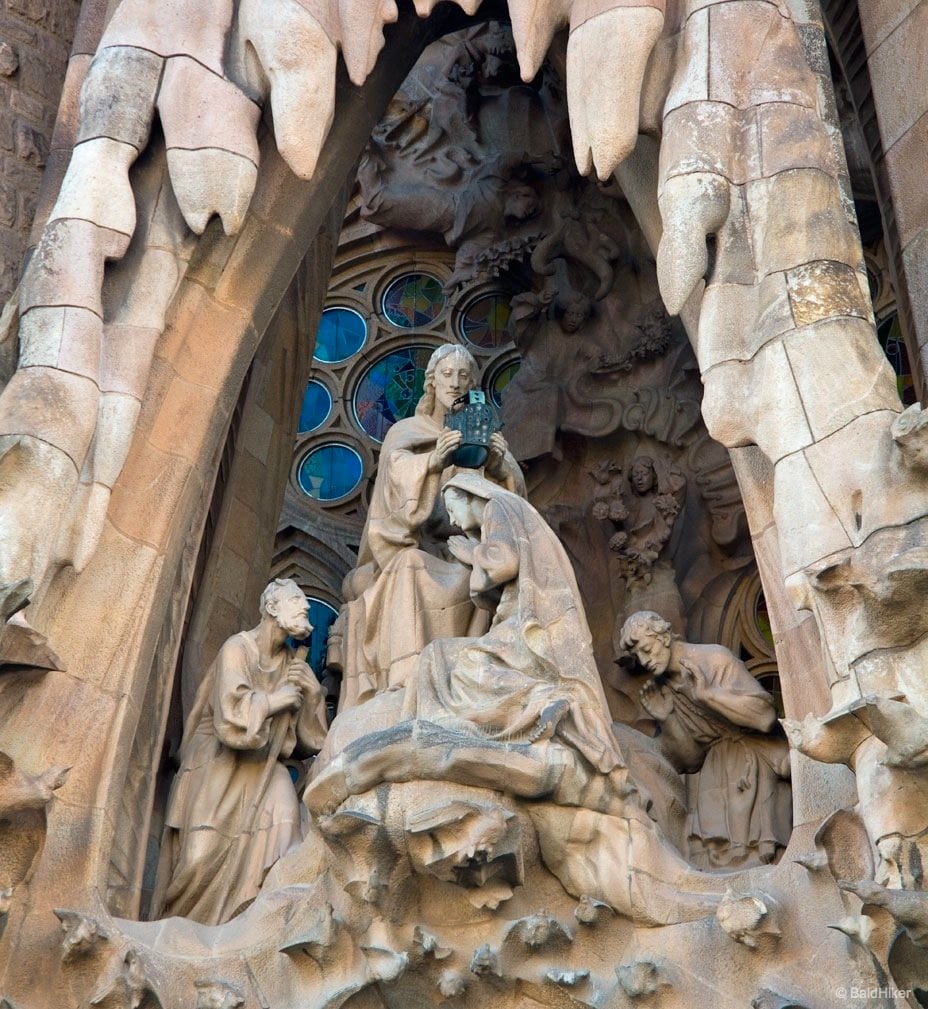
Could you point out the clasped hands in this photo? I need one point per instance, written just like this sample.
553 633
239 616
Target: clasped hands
299 683
657 696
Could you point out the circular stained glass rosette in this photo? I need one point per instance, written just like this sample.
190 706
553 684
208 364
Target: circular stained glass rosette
390 390
341 334
330 472
485 322
317 405
413 300
500 379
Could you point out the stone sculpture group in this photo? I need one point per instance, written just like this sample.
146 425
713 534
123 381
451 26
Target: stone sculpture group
454 848
468 661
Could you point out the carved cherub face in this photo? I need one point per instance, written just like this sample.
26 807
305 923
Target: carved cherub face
452 378
642 475
575 315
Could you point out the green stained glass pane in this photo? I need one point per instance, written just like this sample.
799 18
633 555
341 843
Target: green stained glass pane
889 333
500 380
762 619
413 300
485 322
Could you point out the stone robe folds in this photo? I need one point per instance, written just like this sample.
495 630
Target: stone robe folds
538 650
407 589
233 810
741 809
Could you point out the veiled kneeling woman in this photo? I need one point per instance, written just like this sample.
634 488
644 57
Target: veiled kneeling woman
532 675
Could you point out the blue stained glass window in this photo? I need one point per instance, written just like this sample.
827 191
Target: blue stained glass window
329 472
321 616
317 405
415 299
341 334
485 322
390 389
500 380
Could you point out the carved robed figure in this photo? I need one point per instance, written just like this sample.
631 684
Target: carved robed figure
407 590
715 718
233 810
532 674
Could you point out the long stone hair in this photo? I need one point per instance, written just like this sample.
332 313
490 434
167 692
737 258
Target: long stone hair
427 404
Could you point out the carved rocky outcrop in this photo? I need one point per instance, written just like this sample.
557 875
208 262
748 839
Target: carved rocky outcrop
641 978
909 909
128 987
24 802
83 934
890 808
215 993
749 918
767 998
590 910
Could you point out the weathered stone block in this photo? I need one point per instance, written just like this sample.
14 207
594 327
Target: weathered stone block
30 144
691 79
824 290
755 56
118 96
9 60
841 373
900 58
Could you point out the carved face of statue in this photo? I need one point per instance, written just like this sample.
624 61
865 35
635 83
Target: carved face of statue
575 315
521 203
653 652
642 475
463 510
453 377
291 611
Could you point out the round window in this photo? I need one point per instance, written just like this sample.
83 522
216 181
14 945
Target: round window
317 405
390 389
413 300
341 334
484 323
330 472
500 379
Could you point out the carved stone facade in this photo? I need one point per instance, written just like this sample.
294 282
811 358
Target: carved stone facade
672 243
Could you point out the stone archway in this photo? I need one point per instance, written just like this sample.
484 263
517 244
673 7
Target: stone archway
129 550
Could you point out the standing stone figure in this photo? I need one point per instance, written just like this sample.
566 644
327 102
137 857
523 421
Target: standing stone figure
656 494
408 589
715 718
233 810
